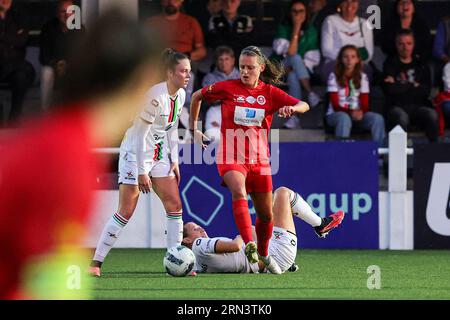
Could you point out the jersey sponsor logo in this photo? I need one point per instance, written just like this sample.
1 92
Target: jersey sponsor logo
240 99
250 100
248 116
261 100
155 103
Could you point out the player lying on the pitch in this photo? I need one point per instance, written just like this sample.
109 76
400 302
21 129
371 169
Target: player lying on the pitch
223 255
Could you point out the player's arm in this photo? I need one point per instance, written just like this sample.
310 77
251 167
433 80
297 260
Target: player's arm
196 103
288 111
224 246
142 128
172 142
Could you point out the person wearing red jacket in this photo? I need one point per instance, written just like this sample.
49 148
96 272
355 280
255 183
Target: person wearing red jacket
348 91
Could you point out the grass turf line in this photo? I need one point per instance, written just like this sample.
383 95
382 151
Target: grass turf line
323 274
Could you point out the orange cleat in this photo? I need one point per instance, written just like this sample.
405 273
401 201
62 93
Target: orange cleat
329 223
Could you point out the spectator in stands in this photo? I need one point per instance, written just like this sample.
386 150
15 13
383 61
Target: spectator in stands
407 86
343 28
441 47
296 44
348 90
225 70
318 11
17 73
181 32
231 28
405 17
442 100
55 42
203 11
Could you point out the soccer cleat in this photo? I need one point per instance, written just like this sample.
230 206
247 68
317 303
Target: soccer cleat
94 272
329 223
293 268
251 252
271 265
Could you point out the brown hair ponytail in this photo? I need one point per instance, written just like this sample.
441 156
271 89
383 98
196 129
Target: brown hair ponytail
273 72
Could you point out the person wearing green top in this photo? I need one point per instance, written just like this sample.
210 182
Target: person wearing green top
296 45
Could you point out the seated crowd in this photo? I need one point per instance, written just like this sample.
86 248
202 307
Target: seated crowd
319 42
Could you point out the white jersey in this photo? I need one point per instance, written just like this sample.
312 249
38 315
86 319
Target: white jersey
348 95
163 111
209 261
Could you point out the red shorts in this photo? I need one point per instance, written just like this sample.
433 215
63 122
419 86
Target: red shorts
258 177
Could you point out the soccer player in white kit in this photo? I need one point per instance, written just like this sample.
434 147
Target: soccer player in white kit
224 255
149 158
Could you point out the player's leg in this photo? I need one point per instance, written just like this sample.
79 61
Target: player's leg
301 209
282 211
262 201
128 198
167 190
235 181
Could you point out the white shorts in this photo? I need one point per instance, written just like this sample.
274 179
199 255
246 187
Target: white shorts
128 170
283 247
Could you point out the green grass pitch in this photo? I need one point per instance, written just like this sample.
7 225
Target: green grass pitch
323 274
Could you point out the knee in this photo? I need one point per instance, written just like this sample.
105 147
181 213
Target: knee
282 192
343 119
295 58
378 120
173 204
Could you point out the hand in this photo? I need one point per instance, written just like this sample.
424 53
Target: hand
144 183
61 67
357 115
297 21
286 112
176 170
199 138
389 79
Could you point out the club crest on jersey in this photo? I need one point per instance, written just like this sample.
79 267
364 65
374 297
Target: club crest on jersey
210 88
261 100
155 103
250 100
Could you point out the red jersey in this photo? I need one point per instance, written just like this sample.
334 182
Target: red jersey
47 175
246 119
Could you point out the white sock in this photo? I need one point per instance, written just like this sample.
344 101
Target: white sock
301 209
174 230
109 236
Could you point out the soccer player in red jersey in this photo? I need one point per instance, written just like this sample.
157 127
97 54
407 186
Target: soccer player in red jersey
47 168
248 105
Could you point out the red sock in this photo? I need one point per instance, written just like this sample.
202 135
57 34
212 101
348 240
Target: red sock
264 233
242 219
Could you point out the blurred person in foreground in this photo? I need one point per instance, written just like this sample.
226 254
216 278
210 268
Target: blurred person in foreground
48 171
